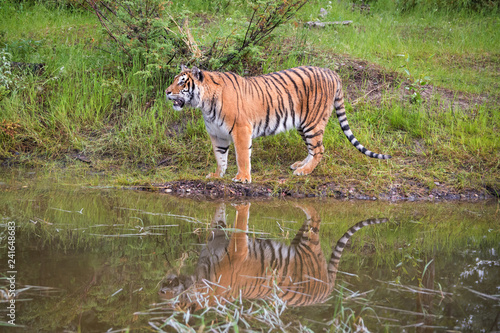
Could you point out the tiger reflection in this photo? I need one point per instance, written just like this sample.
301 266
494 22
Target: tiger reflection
239 266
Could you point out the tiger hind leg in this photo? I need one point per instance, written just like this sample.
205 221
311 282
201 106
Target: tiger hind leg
307 166
299 164
314 143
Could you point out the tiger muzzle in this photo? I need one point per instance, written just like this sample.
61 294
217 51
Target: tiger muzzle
177 101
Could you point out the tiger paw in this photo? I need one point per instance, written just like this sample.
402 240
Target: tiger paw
213 175
302 171
296 165
242 179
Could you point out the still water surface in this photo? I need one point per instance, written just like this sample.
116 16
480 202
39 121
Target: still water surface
95 259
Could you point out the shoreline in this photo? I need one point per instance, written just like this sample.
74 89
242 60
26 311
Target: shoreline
219 189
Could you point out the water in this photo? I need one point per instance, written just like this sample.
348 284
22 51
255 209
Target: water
98 259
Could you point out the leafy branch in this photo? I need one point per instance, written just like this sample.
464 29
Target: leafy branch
137 29
266 16
415 85
140 30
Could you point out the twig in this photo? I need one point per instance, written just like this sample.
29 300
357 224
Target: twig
357 100
101 18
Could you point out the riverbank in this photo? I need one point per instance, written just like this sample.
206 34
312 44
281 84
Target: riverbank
218 190
420 86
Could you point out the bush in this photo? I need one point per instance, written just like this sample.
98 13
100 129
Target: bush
139 32
9 81
265 17
146 34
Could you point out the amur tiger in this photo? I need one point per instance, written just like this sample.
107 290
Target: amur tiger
240 266
238 109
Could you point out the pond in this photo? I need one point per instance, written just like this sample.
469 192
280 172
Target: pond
94 259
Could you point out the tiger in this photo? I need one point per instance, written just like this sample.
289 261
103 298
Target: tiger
239 266
238 109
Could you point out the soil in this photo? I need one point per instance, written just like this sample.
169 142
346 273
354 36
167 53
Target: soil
219 189
367 83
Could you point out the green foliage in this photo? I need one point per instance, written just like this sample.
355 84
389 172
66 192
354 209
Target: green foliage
23 48
159 38
448 5
10 81
414 85
6 77
140 32
266 16
60 4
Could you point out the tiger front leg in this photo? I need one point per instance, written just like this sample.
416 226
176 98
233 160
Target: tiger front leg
221 148
242 138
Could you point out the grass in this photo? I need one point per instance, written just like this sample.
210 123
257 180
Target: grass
88 103
455 49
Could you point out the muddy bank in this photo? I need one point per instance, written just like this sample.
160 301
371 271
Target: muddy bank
220 189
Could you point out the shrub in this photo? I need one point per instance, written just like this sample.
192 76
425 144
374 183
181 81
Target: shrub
265 17
9 81
146 34
139 33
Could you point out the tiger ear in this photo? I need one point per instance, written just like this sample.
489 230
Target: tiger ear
197 73
183 68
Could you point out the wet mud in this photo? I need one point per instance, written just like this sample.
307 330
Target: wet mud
220 189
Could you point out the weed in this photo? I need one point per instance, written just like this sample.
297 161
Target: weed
145 32
23 48
139 31
7 79
414 84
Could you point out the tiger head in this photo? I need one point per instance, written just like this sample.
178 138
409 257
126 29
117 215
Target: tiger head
181 293
186 88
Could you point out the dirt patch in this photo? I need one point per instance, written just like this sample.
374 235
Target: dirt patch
369 83
210 189
365 82
449 99
198 189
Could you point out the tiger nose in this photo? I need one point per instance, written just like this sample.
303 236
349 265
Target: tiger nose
167 92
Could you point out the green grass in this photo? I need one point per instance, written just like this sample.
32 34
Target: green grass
88 102
458 50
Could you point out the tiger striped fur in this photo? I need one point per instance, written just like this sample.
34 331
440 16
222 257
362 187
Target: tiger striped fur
239 266
238 109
